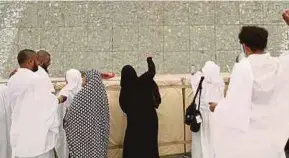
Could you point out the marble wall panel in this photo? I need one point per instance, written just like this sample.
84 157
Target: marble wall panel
202 37
199 58
52 38
29 38
100 13
278 37
227 37
125 38
176 38
151 38
202 13
75 13
99 38
177 63
75 39
109 34
251 13
125 13
226 59
150 13
273 10
176 13
120 59
227 12
50 14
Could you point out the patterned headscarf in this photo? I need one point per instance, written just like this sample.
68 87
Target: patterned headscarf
87 122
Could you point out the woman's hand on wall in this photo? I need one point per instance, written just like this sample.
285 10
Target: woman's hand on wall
108 75
285 16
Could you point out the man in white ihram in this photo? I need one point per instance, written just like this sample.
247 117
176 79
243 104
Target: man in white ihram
35 119
5 150
252 121
44 60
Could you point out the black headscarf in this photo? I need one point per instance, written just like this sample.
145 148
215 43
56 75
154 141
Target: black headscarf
129 77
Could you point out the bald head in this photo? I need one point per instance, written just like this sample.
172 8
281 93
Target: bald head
43 59
42 53
27 58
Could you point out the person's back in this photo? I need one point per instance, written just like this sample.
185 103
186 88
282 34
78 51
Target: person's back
34 120
19 82
139 97
268 106
5 114
251 122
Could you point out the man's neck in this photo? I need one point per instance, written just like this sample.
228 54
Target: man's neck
25 68
258 52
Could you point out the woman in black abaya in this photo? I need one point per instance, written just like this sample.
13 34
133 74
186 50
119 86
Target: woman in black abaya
139 98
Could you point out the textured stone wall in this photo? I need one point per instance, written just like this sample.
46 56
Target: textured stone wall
108 35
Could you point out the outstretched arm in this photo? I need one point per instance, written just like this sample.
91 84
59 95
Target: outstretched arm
150 74
151 66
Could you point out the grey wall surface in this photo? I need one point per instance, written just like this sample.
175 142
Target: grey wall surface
108 35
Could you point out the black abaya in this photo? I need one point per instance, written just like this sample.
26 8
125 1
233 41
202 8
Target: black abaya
139 96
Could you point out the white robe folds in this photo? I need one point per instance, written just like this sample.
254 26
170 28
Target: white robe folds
5 115
252 121
41 72
35 118
213 91
74 85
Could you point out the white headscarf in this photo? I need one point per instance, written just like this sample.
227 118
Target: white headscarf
213 85
74 83
211 72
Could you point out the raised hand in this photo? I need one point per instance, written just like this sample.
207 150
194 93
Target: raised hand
149 55
285 16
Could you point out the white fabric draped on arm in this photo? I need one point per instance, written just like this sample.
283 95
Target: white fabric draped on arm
234 110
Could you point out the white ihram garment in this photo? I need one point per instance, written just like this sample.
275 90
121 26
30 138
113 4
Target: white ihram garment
35 118
42 73
213 90
252 121
5 116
